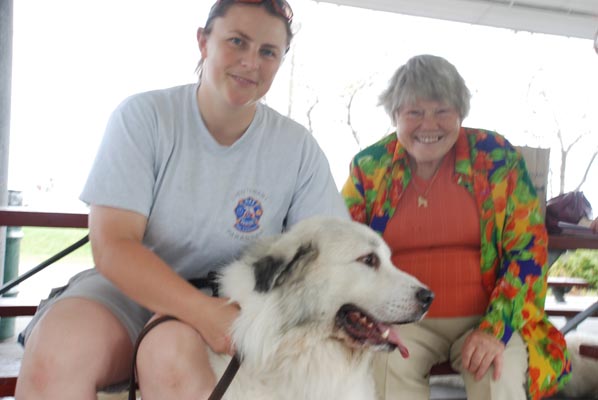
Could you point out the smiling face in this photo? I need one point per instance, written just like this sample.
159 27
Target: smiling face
241 55
428 130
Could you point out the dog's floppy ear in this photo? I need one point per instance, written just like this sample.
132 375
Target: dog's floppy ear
272 271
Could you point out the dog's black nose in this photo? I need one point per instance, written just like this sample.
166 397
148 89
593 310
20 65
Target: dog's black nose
425 298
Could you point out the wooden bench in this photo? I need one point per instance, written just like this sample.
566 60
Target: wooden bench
15 307
587 350
560 285
558 243
566 310
9 368
556 310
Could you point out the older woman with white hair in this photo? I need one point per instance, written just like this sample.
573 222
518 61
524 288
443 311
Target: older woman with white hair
458 209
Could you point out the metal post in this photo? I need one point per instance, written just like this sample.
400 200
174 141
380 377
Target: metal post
579 318
6 35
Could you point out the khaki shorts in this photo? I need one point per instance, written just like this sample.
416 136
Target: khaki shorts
90 284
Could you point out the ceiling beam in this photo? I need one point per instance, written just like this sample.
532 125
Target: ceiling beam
512 15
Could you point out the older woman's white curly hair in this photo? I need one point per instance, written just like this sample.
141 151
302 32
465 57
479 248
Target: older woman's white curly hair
426 77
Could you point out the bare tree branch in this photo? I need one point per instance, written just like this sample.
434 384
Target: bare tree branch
565 149
309 111
353 131
353 91
585 175
563 168
577 139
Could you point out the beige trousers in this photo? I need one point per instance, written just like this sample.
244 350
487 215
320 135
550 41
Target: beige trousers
436 340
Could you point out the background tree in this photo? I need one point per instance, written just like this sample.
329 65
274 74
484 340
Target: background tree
563 125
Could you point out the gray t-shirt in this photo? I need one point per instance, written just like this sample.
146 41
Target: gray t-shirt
205 202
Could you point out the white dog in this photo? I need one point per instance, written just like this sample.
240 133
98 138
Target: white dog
314 303
584 374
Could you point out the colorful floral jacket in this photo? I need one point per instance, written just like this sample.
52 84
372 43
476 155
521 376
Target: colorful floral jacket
513 238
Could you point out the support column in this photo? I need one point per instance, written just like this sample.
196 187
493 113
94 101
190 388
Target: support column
6 35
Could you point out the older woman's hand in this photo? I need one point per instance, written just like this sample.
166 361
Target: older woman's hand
479 352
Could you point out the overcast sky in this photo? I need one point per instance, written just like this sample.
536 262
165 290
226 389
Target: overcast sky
74 61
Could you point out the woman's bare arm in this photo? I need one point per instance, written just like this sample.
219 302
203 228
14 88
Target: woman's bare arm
116 239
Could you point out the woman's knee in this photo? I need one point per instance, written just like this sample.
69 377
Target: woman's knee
174 355
399 378
76 342
511 383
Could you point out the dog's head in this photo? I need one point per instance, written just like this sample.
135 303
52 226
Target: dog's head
332 276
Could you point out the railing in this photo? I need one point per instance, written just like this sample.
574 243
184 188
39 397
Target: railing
557 244
22 216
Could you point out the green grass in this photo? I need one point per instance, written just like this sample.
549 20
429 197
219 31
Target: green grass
580 263
42 243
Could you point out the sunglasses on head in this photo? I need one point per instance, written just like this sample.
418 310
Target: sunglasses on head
281 7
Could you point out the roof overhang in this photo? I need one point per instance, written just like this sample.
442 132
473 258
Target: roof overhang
574 18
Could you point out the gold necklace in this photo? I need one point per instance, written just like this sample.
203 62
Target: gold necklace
422 200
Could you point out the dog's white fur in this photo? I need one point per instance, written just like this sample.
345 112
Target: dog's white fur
584 374
290 290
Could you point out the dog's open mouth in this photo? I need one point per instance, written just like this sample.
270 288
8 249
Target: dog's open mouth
364 330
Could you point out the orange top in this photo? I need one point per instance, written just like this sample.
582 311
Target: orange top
440 244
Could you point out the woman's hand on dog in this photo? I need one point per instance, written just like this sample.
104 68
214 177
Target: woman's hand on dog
216 322
480 351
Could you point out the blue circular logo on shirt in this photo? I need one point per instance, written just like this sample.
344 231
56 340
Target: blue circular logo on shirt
248 212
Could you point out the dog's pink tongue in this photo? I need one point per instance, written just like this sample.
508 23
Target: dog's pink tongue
393 337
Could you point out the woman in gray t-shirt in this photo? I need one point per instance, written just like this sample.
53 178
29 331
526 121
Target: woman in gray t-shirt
184 179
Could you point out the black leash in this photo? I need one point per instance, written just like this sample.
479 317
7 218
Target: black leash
146 329
210 281
226 379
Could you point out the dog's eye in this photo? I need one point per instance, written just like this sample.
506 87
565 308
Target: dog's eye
371 260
